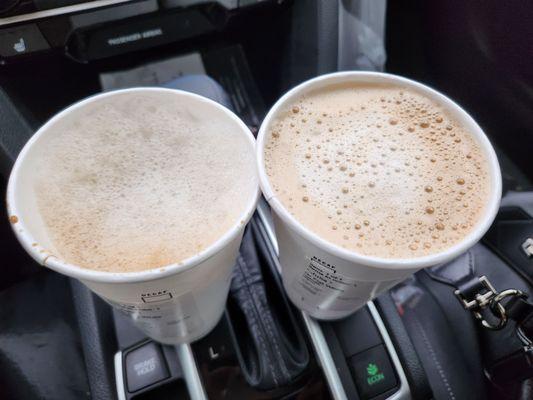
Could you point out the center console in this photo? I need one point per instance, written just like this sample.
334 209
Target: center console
295 357
54 54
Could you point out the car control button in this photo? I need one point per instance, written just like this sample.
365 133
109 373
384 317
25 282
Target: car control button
145 366
21 40
373 372
357 332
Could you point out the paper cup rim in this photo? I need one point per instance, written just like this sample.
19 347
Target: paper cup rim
58 265
448 254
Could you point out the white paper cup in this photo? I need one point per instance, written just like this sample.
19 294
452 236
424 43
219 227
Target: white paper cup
326 280
172 304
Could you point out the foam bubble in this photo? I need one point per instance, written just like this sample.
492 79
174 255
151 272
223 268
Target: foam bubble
399 161
140 181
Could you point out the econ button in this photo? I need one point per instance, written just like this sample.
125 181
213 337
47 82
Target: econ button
373 372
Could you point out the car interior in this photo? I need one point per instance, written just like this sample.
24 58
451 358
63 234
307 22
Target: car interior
431 336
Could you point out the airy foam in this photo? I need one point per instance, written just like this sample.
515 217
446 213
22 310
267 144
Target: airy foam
378 169
142 180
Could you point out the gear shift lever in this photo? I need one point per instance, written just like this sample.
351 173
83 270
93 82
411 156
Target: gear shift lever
269 344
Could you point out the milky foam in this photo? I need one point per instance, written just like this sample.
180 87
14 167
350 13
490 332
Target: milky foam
142 180
381 170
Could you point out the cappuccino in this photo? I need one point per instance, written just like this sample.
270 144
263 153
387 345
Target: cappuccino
136 181
379 169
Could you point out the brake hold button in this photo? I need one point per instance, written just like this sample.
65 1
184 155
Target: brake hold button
373 372
145 366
